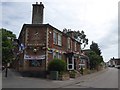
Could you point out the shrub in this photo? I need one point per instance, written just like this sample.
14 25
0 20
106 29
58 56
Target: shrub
73 73
81 70
57 65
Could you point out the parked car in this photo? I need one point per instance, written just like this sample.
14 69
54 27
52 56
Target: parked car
111 65
117 66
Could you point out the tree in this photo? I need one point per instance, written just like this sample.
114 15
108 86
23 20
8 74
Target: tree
79 36
94 59
94 55
94 47
7 37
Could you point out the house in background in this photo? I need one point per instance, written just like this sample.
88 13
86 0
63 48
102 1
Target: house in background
40 43
114 62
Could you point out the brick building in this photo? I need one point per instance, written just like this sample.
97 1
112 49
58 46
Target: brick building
40 43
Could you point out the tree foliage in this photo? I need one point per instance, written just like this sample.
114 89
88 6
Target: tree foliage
94 55
7 37
79 36
94 47
94 59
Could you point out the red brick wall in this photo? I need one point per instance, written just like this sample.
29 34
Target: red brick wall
41 39
64 47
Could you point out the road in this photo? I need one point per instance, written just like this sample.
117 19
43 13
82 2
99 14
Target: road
107 78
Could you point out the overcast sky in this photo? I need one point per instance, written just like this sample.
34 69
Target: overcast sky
97 18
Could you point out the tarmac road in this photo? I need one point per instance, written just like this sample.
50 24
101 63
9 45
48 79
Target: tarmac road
107 78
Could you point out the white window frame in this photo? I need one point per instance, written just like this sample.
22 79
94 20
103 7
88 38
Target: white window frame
59 40
68 42
55 37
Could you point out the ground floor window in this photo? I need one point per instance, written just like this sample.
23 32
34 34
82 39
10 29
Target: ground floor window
57 55
35 63
81 66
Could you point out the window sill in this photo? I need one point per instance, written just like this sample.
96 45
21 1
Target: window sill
57 45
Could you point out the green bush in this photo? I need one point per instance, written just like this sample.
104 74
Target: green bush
57 65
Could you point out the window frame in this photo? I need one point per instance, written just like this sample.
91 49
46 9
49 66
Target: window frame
68 42
59 39
75 46
55 38
35 62
57 55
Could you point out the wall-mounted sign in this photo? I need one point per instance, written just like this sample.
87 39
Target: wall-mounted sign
31 57
36 44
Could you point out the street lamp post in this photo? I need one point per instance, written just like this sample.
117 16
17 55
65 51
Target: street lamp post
6 71
6 67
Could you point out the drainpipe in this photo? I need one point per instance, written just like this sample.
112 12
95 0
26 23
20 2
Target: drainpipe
46 51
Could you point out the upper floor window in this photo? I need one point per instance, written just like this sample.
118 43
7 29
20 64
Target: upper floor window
59 40
75 46
71 44
54 37
68 42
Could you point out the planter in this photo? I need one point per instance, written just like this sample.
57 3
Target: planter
74 74
64 77
54 75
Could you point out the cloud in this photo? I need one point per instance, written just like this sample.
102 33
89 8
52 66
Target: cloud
109 43
14 14
111 37
98 18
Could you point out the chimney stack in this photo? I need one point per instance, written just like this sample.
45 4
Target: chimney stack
37 13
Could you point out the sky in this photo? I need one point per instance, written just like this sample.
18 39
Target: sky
97 18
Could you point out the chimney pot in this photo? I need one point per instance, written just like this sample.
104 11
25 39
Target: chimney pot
36 2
